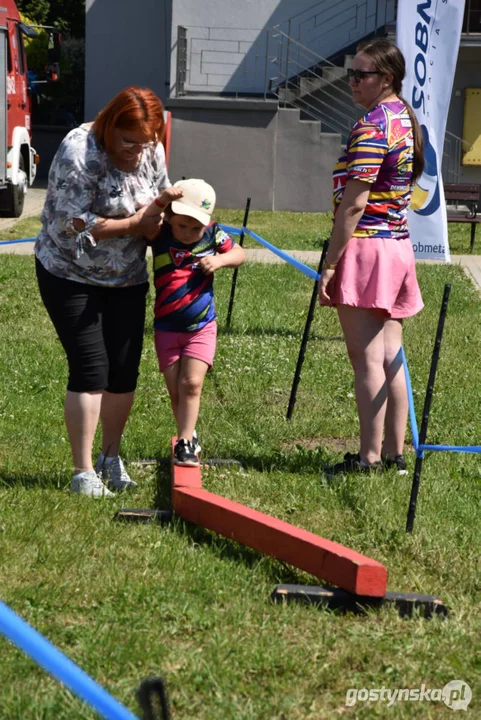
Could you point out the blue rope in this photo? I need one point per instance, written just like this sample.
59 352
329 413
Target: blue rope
412 412
232 230
453 448
414 426
305 269
60 666
309 272
13 242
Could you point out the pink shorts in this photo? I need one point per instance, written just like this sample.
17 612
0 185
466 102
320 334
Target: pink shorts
198 344
378 273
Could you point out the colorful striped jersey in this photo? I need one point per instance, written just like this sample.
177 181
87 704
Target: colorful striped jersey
380 152
184 295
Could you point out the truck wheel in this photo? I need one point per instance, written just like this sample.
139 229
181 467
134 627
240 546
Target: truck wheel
16 193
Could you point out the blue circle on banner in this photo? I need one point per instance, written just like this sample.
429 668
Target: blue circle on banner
426 196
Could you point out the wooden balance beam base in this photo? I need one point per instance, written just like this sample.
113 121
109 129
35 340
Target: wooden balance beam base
322 558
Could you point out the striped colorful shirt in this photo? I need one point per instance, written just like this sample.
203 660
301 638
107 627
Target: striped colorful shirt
184 295
380 152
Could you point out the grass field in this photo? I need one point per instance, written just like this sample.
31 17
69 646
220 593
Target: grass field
128 602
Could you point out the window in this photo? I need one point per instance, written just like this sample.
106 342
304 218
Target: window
472 16
9 55
21 50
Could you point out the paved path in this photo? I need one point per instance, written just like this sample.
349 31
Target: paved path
36 196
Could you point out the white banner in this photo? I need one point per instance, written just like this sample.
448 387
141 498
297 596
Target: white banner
428 34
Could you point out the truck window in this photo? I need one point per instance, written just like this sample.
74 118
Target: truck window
21 50
9 56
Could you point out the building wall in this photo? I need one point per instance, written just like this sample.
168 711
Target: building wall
228 50
253 149
126 44
231 46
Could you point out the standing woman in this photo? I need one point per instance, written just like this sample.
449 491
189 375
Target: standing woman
369 273
92 273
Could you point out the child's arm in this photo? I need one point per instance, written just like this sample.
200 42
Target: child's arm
230 259
161 202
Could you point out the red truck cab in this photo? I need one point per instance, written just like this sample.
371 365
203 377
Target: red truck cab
17 157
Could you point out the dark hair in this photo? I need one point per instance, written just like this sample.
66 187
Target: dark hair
388 58
133 108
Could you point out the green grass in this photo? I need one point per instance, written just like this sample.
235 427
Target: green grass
26 228
128 602
286 230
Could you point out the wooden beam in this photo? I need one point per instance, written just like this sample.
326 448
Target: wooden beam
322 558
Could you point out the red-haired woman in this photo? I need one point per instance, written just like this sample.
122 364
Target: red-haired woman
92 273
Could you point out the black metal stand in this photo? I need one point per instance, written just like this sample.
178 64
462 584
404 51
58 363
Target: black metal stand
305 337
152 699
234 275
343 601
427 408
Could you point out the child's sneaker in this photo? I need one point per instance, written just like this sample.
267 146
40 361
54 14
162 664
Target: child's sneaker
184 454
195 442
114 473
89 483
398 461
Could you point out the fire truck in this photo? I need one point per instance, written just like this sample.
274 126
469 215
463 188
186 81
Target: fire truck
18 160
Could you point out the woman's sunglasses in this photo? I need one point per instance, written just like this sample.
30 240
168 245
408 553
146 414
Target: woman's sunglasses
358 75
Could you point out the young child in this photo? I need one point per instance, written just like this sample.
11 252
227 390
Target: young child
189 248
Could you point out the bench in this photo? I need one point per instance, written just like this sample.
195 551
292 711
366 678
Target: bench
468 195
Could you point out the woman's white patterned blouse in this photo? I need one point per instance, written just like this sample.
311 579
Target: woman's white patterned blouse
83 183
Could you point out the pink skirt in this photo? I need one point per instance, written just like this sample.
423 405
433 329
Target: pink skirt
378 273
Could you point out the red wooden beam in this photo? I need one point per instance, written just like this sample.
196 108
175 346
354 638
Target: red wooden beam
322 558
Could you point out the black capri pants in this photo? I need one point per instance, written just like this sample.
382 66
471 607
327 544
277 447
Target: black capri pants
101 330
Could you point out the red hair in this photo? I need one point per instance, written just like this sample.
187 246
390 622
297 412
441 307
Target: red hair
133 108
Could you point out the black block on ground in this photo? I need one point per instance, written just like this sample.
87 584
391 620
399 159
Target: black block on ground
144 515
207 461
336 599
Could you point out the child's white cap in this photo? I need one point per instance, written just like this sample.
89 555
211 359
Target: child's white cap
198 200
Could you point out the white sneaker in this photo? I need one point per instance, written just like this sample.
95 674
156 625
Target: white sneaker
115 474
89 483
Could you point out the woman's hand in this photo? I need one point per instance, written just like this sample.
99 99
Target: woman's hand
326 277
161 201
146 225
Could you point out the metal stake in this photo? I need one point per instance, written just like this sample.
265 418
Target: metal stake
234 275
305 337
426 410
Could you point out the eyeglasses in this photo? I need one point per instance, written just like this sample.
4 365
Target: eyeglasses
358 75
127 145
